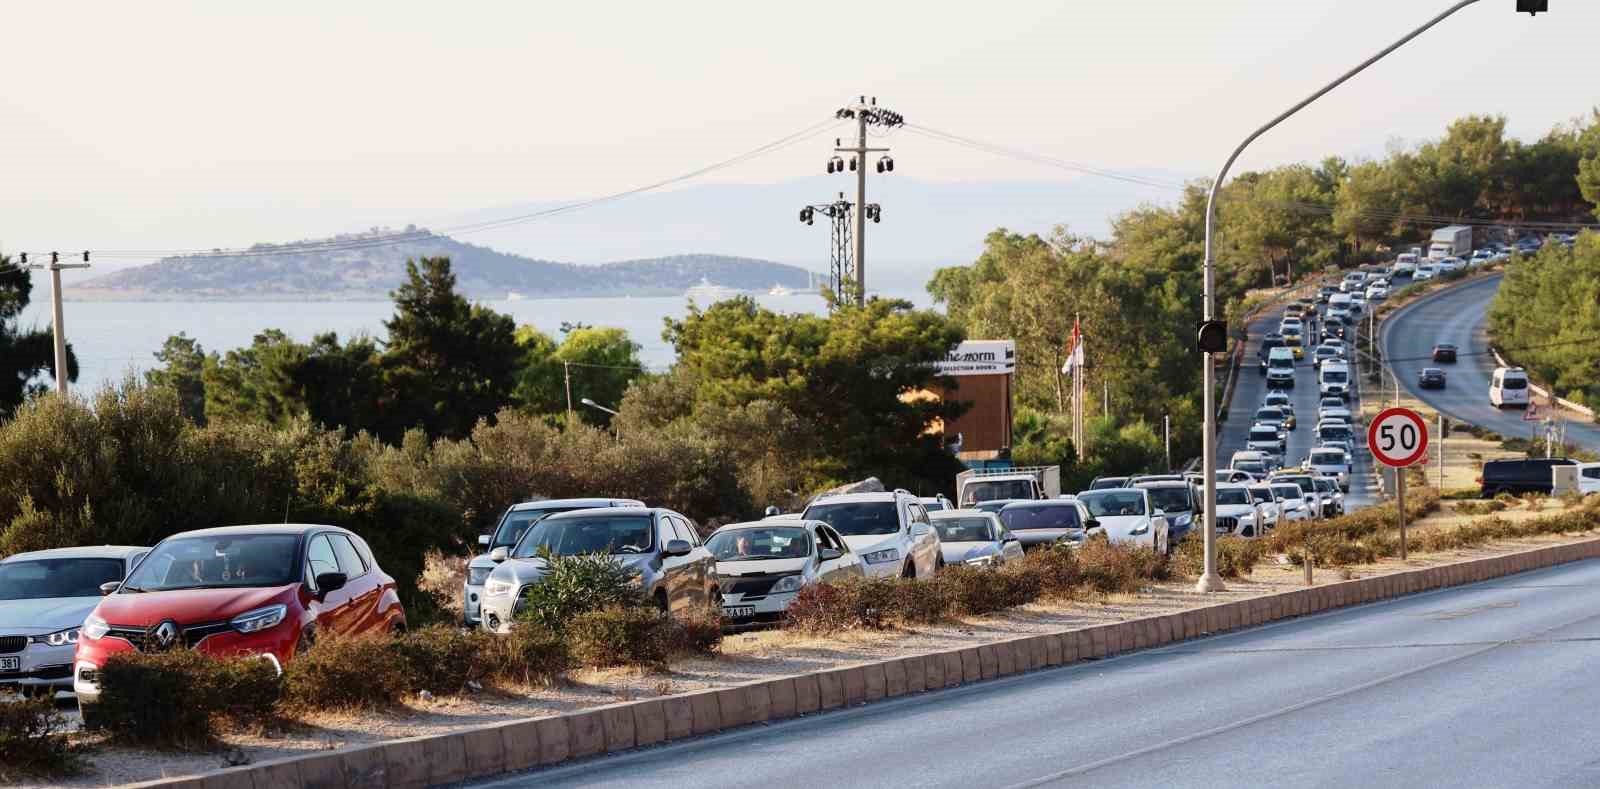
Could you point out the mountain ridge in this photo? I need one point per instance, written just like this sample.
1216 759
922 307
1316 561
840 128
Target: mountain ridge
369 265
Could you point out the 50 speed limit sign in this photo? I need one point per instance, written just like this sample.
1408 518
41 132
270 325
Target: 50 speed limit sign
1397 437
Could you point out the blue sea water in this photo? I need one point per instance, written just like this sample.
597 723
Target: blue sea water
114 338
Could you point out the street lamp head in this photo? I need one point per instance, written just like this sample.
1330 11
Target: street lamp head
587 401
1533 7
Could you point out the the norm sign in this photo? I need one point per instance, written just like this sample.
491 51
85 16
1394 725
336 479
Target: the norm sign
1397 437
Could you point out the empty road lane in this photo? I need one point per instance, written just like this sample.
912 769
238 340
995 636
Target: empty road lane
1460 315
1485 685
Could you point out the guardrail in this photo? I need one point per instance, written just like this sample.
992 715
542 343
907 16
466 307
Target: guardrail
1546 393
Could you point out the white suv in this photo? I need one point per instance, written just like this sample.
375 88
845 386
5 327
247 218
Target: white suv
889 531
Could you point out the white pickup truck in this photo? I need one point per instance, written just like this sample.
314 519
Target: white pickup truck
1029 482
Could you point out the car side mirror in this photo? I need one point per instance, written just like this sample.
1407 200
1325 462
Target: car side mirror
108 587
1091 524
499 555
483 539
829 554
1159 513
677 548
327 583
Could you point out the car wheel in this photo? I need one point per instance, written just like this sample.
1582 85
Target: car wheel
661 601
716 597
938 564
308 639
90 716
910 570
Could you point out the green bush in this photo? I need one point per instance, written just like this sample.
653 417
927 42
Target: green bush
620 636
33 740
575 585
183 698
347 673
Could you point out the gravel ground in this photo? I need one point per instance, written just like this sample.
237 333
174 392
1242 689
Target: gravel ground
745 657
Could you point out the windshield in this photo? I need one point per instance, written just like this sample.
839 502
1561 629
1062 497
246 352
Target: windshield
1052 516
1233 496
1281 361
1287 491
1113 502
575 536
1324 484
1335 376
39 579
220 562
1171 499
1269 415
1250 466
970 529
1327 458
857 518
1304 483
516 523
1335 432
933 505
1263 434
991 490
787 542
1108 482
1262 495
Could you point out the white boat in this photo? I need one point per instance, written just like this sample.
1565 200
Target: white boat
707 293
513 296
779 290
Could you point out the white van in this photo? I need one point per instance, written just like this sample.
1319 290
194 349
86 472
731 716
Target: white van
1405 263
1509 386
1333 380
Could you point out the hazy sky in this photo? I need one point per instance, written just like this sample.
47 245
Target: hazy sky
175 125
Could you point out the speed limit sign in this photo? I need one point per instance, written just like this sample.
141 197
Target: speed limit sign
1397 437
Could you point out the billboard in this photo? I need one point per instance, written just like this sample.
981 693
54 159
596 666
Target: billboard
980 357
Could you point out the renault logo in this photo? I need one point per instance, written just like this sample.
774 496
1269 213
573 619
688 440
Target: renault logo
166 634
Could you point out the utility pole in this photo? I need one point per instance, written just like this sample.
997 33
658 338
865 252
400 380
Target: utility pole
1166 422
566 374
839 245
57 321
866 113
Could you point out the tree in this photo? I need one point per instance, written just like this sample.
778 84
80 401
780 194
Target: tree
182 369
600 361
448 363
1367 204
26 355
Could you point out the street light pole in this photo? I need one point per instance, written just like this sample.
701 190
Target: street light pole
596 406
1210 581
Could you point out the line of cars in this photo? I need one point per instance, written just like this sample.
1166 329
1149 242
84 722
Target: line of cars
266 591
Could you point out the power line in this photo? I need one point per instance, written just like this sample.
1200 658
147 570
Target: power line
349 244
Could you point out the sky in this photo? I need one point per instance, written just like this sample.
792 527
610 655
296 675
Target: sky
170 125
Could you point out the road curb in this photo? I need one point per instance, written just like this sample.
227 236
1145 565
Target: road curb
518 745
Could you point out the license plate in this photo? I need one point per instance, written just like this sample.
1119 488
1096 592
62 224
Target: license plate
739 611
10 664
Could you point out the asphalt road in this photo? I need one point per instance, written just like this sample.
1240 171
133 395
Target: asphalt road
1484 685
1460 315
1252 388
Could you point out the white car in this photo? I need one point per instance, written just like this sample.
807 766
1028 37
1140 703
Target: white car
1126 515
1405 263
1333 379
1249 460
1333 463
1281 400
1292 503
1377 293
1353 281
1448 265
1332 408
1261 493
1268 438
1481 256
1332 496
1509 386
518 518
763 565
977 538
1237 513
888 530
1358 302
1424 272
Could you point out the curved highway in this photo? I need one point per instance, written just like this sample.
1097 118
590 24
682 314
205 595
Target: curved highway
1482 685
1460 315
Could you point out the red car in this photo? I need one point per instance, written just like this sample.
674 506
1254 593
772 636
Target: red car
240 590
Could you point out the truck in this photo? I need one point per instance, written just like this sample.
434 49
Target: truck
992 484
1454 241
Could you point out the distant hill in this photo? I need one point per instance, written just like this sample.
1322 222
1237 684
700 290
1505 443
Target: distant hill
370 265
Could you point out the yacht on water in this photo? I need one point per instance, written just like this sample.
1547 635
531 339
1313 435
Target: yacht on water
779 290
513 296
707 293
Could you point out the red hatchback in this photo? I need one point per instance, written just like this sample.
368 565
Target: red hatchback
240 590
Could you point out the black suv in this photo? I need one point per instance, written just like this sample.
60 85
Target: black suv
1515 477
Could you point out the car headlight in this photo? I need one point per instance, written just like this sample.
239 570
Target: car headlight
260 619
1142 528
95 628
495 587
980 561
879 557
1247 519
477 575
59 638
1185 520
788 583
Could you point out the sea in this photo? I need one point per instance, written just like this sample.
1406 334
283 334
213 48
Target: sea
113 339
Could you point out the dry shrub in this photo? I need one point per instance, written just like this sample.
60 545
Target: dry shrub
984 590
1236 556
530 654
346 673
1115 568
182 698
697 632
33 740
1056 569
1487 507
620 636
444 658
